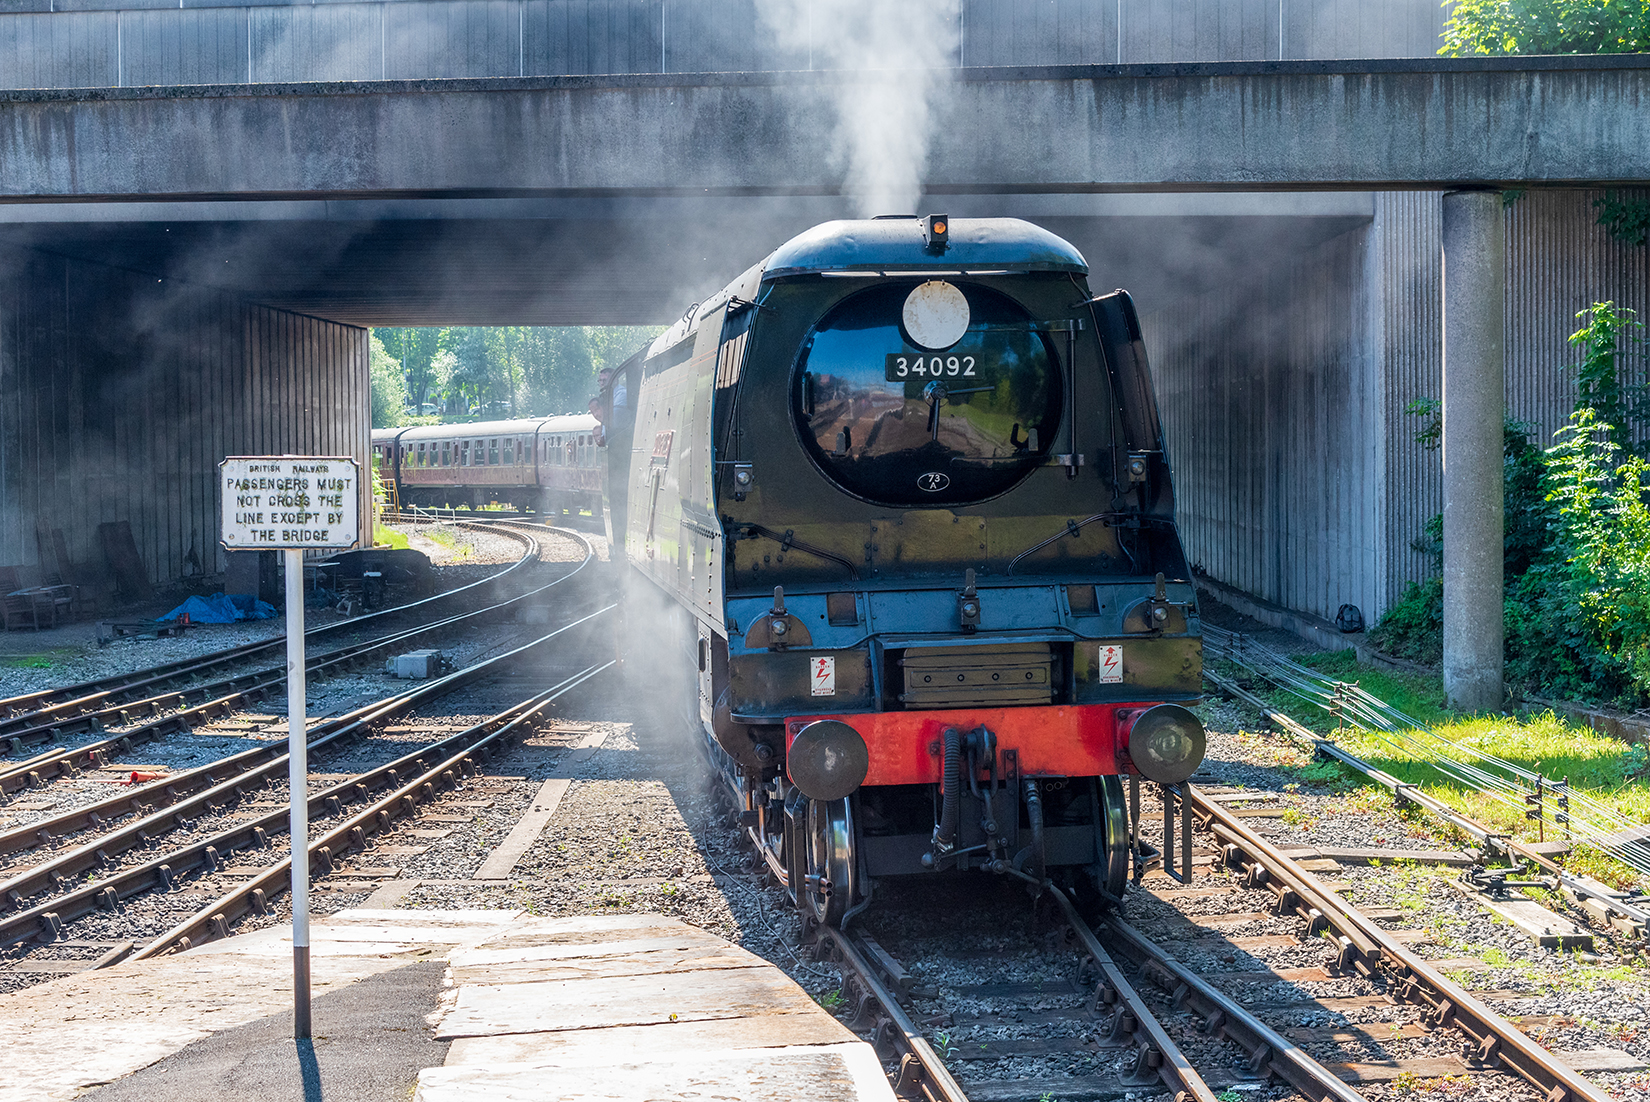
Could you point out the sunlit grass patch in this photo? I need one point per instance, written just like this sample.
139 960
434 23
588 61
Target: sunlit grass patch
40 660
451 539
388 537
1613 772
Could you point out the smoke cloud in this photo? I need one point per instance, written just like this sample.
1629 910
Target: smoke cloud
905 49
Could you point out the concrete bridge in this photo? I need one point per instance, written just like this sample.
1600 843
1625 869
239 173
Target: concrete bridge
621 197
1400 124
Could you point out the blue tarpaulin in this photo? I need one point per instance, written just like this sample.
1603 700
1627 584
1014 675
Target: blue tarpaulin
222 608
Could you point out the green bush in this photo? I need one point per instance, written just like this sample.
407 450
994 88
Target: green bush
1577 553
1579 619
1414 627
1547 27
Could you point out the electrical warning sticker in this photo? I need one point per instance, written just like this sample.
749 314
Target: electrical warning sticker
1111 664
823 669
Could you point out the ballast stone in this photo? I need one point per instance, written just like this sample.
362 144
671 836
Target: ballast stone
415 665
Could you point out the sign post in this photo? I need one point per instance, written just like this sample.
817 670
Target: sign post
290 502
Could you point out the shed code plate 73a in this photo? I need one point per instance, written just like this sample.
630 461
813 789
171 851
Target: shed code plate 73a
277 501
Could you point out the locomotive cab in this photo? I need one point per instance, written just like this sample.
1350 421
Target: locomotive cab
916 505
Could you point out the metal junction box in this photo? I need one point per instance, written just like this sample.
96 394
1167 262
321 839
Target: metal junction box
417 664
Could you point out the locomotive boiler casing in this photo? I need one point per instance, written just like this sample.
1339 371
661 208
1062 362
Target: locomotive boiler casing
915 558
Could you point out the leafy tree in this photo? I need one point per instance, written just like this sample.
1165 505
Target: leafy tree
535 370
558 373
389 389
416 349
1547 27
443 367
1608 377
472 377
1577 565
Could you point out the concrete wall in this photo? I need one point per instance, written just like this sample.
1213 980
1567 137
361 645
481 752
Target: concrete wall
122 393
130 43
1272 416
1297 470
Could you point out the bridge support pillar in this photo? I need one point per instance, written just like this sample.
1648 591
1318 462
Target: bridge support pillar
1474 409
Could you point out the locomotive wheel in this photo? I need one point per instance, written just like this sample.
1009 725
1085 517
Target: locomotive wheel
1098 887
827 860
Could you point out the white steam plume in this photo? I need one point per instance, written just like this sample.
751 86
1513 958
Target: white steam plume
883 123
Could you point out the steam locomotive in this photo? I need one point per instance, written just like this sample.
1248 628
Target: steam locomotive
903 486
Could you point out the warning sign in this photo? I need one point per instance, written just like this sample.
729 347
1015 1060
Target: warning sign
824 675
290 501
1111 664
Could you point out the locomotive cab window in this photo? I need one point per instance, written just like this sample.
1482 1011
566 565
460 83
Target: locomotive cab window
927 394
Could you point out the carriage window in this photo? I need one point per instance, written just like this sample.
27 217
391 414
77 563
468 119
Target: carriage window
509 453
492 453
891 423
446 454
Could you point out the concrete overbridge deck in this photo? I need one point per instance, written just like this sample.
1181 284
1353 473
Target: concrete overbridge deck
611 1007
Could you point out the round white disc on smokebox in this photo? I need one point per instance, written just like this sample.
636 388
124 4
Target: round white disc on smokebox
935 315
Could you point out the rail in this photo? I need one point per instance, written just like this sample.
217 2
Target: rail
190 792
237 691
1375 953
46 918
35 710
377 817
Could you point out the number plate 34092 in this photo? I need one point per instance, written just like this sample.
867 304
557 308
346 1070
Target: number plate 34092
906 366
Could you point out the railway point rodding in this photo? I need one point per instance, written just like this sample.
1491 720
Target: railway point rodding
441 1006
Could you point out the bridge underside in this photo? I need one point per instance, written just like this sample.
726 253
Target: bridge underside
614 262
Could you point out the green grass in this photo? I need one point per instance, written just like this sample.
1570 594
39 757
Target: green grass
40 661
388 537
1614 772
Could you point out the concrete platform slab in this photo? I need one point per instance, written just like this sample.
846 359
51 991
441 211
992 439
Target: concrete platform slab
843 1071
608 1007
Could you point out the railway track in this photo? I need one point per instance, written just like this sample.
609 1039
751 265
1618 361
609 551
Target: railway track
441 768
1145 1020
1254 970
235 820
97 857
183 710
48 715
